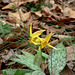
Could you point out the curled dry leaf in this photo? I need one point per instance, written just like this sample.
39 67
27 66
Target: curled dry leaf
38 13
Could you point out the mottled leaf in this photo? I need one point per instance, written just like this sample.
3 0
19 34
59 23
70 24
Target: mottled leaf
58 59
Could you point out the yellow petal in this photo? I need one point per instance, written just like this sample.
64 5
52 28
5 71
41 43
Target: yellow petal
31 29
39 48
48 37
35 41
51 46
37 33
46 40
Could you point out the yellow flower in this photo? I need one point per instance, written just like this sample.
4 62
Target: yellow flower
34 36
45 41
35 39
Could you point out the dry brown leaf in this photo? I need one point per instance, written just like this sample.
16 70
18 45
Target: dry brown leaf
52 2
24 16
61 36
66 11
70 27
52 29
9 6
54 43
1 40
71 13
38 13
6 57
20 3
70 53
67 71
0 63
31 1
47 2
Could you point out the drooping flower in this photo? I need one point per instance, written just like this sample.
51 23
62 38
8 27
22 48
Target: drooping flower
45 41
34 36
35 39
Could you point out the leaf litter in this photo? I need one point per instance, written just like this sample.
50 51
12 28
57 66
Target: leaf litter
55 16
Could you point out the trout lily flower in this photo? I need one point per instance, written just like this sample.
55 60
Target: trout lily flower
45 41
35 39
34 36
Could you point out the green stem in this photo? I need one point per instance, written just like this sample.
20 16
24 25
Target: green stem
42 65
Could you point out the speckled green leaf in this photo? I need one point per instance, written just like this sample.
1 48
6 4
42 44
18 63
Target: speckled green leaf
58 59
27 59
38 73
37 59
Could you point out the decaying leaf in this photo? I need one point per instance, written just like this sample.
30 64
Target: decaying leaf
25 16
1 40
71 13
0 63
62 36
9 6
67 71
6 57
20 3
70 53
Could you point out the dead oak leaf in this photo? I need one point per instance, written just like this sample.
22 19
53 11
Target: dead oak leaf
70 53
24 16
20 3
9 6
52 29
71 13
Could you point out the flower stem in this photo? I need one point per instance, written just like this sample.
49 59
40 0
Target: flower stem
51 64
42 65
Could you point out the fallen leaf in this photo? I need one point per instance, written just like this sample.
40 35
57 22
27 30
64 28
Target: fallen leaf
1 40
0 63
66 11
67 71
20 3
61 36
6 1
54 42
47 2
52 29
70 27
6 57
24 16
71 13
9 6
38 13
70 53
